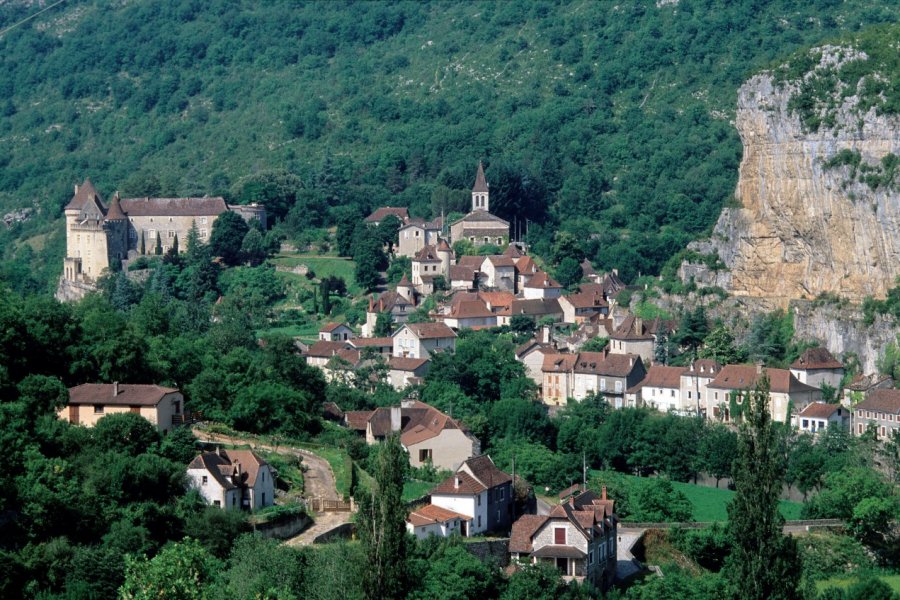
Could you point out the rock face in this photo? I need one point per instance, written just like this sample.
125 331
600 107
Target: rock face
803 229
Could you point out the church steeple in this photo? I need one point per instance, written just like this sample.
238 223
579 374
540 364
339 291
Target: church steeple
480 191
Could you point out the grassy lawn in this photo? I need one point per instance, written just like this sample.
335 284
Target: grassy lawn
413 489
710 503
891 580
322 266
308 333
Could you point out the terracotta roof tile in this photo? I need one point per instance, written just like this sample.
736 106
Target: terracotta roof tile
543 281
379 214
523 530
881 400
128 394
331 327
174 207
398 363
466 485
425 331
357 419
662 377
744 377
820 410
326 349
431 514
817 358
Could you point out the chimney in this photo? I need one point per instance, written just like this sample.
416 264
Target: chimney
221 452
76 188
545 334
603 493
396 418
456 482
115 388
759 368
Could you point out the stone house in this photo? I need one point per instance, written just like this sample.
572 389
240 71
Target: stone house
480 227
498 273
607 374
463 277
817 366
233 479
881 411
403 372
541 286
397 305
578 537
379 214
429 435
661 391
537 309
787 394
481 492
582 306
637 336
90 402
532 354
321 352
558 378
525 270
858 389
420 340
382 346
335 332
416 234
818 417
469 314
694 381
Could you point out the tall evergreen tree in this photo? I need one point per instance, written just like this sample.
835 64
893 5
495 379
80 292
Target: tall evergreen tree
764 563
382 525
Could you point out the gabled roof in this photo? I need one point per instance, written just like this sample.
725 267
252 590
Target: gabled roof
399 363
427 252
587 300
533 345
881 400
371 342
480 216
497 300
661 377
379 214
121 394
481 184
357 419
326 349
542 280
558 363
431 515
470 309
522 532
513 251
404 282
500 261
636 329
459 484
425 331
474 262
243 465
462 273
484 470
703 367
610 365
174 207
744 377
526 265
586 511
330 327
816 358
387 301
587 269
820 410
535 307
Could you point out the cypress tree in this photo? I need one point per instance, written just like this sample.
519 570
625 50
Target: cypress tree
143 245
381 524
764 564
158 244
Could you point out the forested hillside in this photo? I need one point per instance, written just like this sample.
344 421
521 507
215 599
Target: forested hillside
607 120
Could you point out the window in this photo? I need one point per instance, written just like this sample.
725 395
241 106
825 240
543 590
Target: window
602 385
499 241
559 536
151 234
205 480
203 220
132 234
417 234
216 503
591 557
479 520
479 499
98 409
171 233
503 493
805 424
689 395
234 500
717 395
424 455
263 475
618 386
203 233
672 393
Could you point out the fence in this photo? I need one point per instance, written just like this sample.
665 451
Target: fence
327 505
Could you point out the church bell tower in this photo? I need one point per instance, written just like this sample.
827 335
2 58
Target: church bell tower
480 191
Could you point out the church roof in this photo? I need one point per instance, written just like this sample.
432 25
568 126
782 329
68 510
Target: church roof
482 215
481 184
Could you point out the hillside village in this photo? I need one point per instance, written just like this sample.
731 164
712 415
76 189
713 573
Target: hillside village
450 300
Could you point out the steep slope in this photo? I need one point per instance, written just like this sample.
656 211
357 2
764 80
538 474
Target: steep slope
820 201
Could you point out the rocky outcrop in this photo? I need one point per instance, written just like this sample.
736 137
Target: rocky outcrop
802 228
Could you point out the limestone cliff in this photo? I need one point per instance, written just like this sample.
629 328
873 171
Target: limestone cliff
805 227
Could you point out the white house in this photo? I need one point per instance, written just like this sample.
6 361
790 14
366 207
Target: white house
420 340
90 402
480 491
661 390
818 416
335 332
694 380
433 520
499 273
817 366
233 479
541 285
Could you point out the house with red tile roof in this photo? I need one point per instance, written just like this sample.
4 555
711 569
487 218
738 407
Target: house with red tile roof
431 520
480 491
694 381
817 417
531 354
608 374
379 214
787 394
581 306
421 340
880 411
817 366
335 332
577 537
498 273
430 436
233 479
89 402
480 227
661 390
404 372
397 305
639 336
540 286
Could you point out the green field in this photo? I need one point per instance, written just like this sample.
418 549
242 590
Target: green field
413 489
891 580
710 503
322 266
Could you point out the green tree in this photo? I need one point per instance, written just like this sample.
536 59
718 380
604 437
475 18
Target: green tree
595 344
541 582
870 588
253 247
227 237
569 273
264 568
717 451
764 564
450 572
182 571
719 346
693 329
129 433
384 324
381 524
522 324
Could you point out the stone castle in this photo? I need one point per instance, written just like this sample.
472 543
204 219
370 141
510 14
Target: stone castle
101 236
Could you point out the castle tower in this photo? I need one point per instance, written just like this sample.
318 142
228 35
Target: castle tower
480 191
116 223
445 253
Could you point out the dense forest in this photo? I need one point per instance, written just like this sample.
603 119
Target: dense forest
607 120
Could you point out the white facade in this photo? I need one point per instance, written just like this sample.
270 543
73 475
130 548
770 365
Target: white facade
475 505
213 492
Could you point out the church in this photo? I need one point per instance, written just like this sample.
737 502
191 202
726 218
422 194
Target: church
479 226
99 236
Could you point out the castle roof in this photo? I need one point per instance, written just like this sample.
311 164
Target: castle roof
481 184
174 207
84 194
115 210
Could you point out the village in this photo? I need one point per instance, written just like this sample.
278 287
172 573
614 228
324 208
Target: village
584 346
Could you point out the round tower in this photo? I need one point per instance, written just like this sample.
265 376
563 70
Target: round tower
445 253
405 288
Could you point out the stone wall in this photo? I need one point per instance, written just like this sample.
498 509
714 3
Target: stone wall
490 551
282 530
